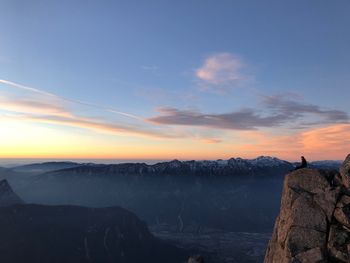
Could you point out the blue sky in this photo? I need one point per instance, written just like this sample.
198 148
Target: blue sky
201 59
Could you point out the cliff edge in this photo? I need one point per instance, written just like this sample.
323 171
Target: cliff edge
313 225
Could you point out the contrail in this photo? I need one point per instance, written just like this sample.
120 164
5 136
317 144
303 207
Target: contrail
16 85
109 109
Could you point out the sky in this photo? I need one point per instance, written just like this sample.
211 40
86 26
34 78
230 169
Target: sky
174 79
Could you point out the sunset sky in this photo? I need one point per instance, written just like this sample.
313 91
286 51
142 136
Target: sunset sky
174 79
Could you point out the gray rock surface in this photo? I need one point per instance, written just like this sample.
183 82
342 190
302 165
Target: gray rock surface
345 172
314 220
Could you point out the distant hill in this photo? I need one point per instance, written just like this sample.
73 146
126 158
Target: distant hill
4 172
326 164
44 167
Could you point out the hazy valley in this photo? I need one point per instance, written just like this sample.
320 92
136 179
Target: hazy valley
224 209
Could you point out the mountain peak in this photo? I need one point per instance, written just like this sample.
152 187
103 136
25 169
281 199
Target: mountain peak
7 195
4 185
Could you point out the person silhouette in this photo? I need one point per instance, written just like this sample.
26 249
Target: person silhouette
302 165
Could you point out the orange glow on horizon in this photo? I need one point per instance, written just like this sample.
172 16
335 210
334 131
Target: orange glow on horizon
26 140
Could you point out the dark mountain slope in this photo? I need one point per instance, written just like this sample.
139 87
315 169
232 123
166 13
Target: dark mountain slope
38 233
7 196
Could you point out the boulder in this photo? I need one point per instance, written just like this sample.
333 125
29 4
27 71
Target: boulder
314 255
342 211
338 243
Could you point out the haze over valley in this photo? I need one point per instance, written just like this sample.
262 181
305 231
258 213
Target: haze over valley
223 208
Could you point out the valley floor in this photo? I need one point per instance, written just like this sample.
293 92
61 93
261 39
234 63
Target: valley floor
223 247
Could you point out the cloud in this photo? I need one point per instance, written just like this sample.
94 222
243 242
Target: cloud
38 106
220 69
31 110
297 109
245 119
211 140
97 125
277 111
316 143
149 67
33 104
60 99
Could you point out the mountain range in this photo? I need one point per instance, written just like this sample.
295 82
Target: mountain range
263 165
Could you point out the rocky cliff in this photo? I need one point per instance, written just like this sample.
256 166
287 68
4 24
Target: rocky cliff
34 233
314 220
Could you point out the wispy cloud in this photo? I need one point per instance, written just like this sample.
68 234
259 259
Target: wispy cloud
98 125
32 106
149 67
37 111
320 143
245 119
39 106
63 99
295 109
211 140
277 111
221 69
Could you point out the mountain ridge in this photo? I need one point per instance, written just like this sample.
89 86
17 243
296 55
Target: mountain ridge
7 195
262 165
232 166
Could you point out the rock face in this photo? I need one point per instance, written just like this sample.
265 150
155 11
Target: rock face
7 196
314 221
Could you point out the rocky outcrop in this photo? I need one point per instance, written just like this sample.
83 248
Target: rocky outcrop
314 220
345 172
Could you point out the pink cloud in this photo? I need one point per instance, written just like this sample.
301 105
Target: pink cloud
328 142
221 68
